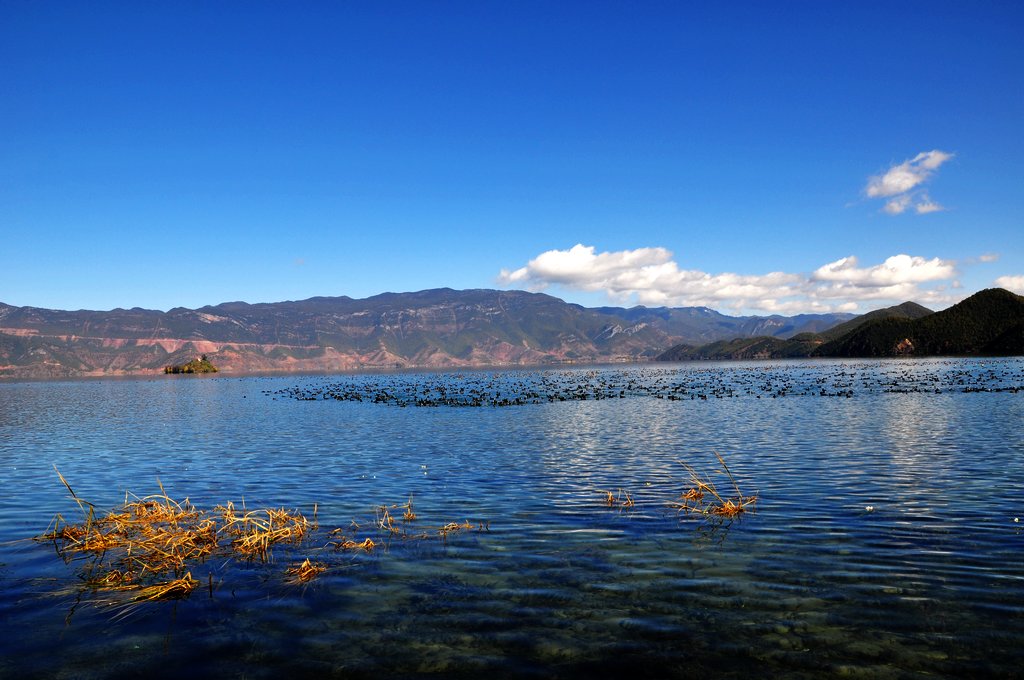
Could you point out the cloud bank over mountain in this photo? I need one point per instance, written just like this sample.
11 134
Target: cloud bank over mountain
1012 283
651 276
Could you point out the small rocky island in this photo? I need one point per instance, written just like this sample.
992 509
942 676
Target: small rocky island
200 365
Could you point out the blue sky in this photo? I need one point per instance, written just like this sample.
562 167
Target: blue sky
750 157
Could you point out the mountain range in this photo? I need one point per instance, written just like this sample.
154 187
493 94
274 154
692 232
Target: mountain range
451 328
987 323
990 322
440 327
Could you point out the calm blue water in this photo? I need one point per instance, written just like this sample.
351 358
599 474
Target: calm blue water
928 582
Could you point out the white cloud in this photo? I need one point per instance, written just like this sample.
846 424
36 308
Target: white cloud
580 266
926 205
899 182
897 205
650 276
984 258
902 178
1011 283
895 271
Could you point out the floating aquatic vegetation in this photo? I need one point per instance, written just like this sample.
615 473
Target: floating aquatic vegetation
454 526
176 589
342 542
305 572
385 521
514 388
349 544
254 533
147 547
704 498
408 515
622 499
147 539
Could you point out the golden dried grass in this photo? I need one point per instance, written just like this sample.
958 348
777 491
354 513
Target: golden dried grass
148 545
344 543
408 515
175 589
254 533
703 496
621 499
305 572
453 527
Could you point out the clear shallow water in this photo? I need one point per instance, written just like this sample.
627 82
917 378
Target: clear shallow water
930 582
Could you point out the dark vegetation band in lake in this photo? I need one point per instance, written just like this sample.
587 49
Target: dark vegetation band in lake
519 388
552 539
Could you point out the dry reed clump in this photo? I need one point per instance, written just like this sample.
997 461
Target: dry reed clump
305 572
148 545
256 531
385 522
145 550
146 540
408 515
622 499
343 542
704 498
454 526
176 589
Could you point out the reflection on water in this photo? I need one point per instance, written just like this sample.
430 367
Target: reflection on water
883 542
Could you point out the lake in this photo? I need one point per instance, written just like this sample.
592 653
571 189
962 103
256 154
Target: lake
880 539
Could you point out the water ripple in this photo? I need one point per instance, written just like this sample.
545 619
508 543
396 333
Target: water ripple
883 536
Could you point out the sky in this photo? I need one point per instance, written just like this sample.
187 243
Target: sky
754 158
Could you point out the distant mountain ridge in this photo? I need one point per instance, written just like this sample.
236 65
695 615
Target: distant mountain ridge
439 327
451 328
